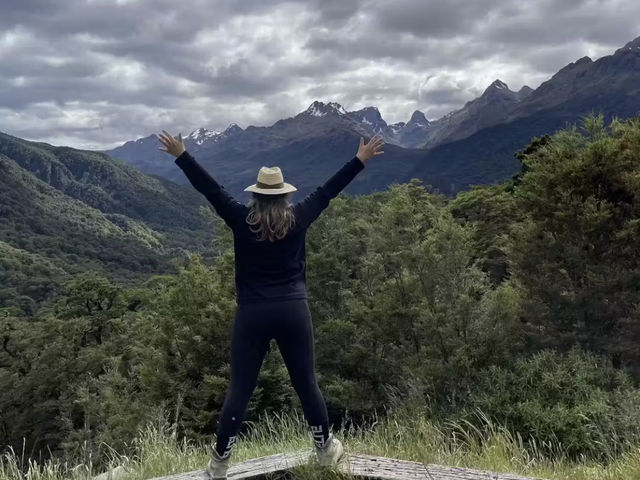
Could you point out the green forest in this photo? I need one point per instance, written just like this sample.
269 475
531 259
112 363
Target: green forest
519 299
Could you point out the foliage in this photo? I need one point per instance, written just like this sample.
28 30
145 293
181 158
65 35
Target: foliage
65 211
577 399
575 249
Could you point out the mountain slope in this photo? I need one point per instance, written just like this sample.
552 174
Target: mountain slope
492 107
308 148
307 163
70 210
610 85
488 156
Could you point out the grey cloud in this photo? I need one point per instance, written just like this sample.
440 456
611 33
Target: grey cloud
432 18
109 20
554 22
173 59
28 66
365 46
63 90
294 52
320 66
442 96
243 78
546 59
398 51
27 12
335 12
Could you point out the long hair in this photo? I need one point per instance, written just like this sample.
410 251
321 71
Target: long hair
271 215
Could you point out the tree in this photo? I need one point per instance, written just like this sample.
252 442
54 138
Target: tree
575 251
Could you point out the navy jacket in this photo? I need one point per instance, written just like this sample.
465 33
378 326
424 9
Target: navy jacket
264 270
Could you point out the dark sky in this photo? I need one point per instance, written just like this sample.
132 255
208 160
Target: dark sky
94 73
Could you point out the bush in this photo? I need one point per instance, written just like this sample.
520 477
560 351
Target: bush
577 399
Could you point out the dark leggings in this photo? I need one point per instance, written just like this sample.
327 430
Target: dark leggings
289 322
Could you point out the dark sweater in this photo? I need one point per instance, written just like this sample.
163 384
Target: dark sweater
264 270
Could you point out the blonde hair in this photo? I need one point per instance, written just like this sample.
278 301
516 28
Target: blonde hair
271 214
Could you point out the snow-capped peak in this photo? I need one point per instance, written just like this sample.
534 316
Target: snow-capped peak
201 134
232 128
418 119
497 87
633 45
397 126
320 109
499 84
371 116
337 107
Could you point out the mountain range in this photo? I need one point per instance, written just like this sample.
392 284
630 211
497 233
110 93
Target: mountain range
472 145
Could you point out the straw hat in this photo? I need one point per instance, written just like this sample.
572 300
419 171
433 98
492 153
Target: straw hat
270 181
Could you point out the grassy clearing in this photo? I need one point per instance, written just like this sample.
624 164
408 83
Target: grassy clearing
403 433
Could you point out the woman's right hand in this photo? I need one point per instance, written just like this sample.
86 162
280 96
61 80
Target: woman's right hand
371 149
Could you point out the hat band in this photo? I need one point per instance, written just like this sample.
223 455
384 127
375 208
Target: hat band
266 185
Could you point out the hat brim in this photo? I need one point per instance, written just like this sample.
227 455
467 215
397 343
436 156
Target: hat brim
271 191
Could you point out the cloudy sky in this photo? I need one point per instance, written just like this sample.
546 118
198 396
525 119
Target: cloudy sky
95 73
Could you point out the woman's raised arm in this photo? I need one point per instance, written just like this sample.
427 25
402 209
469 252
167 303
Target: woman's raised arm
227 207
312 206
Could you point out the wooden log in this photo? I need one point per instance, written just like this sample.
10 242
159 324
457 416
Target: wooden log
354 464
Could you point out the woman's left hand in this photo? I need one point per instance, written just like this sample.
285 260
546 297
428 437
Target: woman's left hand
173 146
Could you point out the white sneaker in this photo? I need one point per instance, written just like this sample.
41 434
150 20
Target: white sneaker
331 453
217 467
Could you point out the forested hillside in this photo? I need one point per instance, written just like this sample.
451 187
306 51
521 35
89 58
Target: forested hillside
65 211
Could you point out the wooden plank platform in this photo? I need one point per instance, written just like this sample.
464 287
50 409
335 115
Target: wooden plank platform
354 464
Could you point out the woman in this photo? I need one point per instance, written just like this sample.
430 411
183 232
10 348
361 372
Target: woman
270 266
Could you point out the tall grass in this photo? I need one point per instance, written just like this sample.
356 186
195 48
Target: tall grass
403 433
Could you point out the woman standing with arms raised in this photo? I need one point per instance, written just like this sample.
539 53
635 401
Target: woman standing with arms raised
270 276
